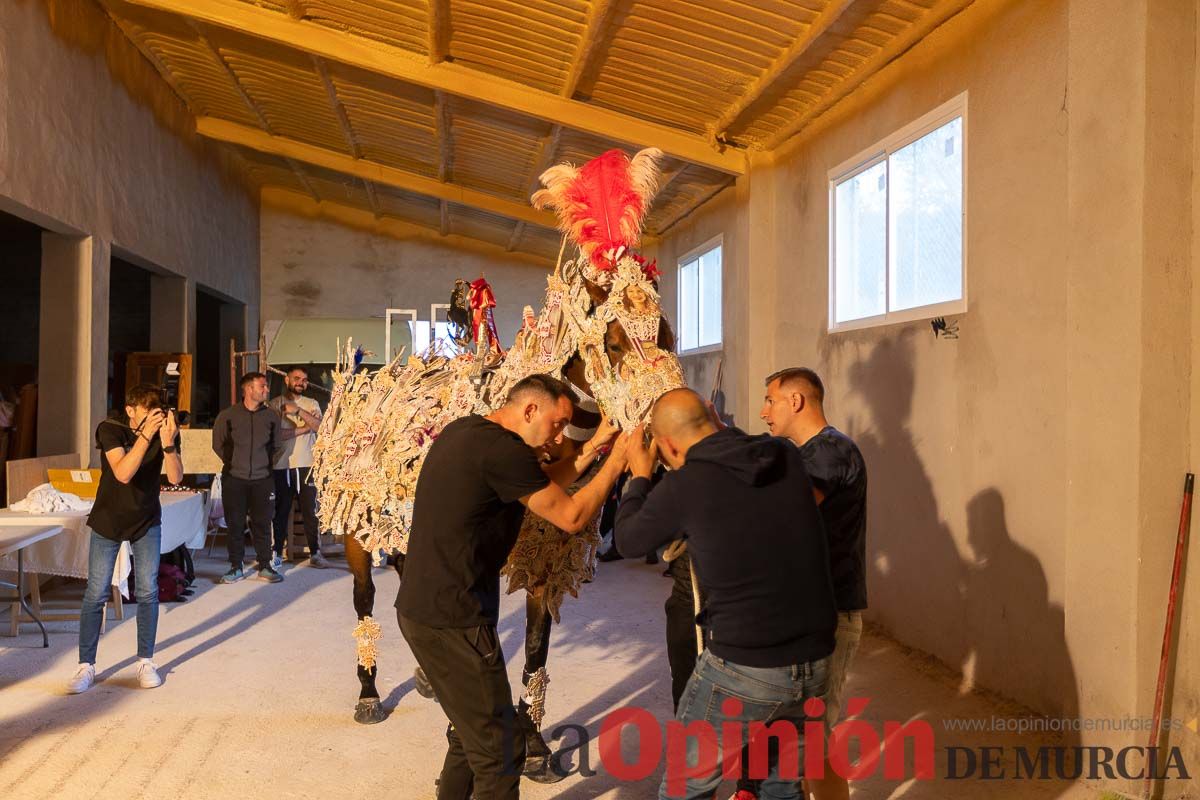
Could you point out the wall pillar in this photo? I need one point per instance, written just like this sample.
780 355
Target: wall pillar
73 351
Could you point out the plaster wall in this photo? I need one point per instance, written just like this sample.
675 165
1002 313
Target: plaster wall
1025 479
92 148
318 268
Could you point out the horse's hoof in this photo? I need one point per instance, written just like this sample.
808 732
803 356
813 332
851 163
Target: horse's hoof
369 711
538 770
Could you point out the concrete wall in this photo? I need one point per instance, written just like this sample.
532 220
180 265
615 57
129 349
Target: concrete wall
93 148
319 268
1025 479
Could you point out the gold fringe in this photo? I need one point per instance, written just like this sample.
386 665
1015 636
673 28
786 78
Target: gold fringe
368 632
536 692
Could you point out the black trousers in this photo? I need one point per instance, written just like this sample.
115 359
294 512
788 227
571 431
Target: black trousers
681 627
537 635
256 499
466 668
290 484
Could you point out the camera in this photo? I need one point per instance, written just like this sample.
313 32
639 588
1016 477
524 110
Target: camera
169 392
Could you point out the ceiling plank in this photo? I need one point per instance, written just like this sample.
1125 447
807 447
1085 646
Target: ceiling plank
452 78
594 31
932 19
770 76
255 139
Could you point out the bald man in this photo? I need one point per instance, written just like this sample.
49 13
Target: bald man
746 507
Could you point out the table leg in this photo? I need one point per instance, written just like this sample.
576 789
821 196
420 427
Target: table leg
21 597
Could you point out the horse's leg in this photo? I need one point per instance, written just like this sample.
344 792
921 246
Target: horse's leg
537 650
369 710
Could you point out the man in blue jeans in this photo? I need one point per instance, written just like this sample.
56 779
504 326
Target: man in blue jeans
127 509
745 505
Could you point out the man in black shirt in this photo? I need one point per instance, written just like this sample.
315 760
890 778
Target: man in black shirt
745 506
249 440
476 482
127 509
794 408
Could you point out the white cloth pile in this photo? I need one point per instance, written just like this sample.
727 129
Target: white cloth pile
45 499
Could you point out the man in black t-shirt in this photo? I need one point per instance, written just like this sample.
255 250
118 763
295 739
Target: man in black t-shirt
794 408
476 482
127 509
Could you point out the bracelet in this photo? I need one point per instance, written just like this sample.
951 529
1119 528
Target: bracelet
147 438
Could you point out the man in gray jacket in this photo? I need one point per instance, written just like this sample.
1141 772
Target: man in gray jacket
248 440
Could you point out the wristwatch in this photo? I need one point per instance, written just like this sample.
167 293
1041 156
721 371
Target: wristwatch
171 449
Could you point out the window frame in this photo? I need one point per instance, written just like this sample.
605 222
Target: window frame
693 255
880 152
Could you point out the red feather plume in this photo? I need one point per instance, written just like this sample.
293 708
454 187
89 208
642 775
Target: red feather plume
601 206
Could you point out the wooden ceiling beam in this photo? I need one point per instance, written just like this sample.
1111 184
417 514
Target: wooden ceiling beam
441 131
255 139
371 197
594 32
897 47
452 78
444 218
439 29
771 76
338 109
386 225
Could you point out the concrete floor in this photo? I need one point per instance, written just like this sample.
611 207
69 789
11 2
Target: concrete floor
260 687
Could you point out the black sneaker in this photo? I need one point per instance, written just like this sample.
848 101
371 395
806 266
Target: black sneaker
268 574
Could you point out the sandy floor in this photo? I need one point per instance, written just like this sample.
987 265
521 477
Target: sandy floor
260 689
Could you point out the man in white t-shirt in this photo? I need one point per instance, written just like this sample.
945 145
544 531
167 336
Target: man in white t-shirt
301 418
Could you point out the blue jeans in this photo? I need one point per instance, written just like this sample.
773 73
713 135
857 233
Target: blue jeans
102 560
766 695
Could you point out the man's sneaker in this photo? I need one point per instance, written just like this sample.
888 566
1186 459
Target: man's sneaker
234 575
276 561
82 680
147 674
424 687
317 560
268 574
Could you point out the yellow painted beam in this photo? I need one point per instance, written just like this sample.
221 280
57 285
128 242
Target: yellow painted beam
255 139
354 217
456 79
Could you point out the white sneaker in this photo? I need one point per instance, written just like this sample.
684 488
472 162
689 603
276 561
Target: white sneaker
82 680
277 561
147 674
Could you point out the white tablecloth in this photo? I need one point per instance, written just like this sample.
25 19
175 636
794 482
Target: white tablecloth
184 521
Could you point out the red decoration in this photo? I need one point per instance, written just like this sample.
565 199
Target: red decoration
482 300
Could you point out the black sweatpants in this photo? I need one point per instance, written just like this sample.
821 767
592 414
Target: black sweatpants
240 497
288 484
466 668
681 627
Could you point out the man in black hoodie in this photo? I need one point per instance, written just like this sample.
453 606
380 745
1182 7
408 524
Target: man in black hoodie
746 507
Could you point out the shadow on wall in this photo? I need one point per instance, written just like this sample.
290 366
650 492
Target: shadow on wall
988 615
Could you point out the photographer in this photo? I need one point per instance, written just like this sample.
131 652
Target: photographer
127 509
